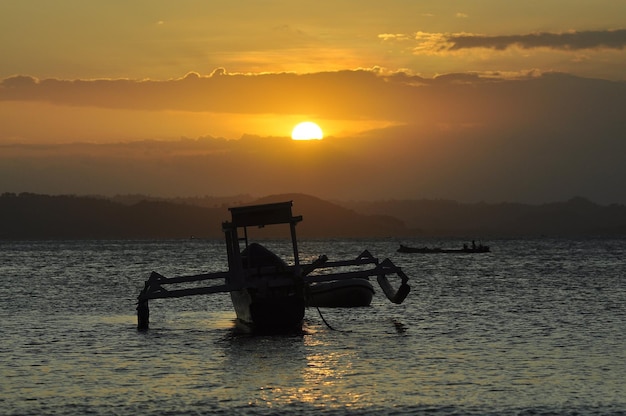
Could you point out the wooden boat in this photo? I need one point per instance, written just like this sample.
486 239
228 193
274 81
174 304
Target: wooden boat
268 294
465 249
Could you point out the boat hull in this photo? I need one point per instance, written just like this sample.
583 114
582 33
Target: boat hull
427 250
268 314
341 293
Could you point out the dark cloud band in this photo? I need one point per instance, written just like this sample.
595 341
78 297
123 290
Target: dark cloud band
608 39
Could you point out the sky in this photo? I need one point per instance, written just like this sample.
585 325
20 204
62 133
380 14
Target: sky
481 100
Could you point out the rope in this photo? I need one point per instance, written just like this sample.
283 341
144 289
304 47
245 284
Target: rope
327 324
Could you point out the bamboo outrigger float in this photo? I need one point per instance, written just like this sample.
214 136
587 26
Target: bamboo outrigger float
268 295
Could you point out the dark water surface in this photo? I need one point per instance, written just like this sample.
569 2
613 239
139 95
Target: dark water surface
534 327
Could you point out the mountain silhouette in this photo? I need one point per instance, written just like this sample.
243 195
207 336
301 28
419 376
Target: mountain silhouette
326 219
33 216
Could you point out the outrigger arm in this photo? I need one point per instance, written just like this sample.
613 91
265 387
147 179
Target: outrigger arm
153 289
380 270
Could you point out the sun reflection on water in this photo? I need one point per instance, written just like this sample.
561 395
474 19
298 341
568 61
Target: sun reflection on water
311 378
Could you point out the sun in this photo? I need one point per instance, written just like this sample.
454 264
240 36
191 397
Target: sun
307 130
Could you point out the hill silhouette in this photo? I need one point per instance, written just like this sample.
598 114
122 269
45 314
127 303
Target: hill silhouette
325 219
577 217
33 216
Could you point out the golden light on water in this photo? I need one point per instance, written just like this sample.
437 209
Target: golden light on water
324 379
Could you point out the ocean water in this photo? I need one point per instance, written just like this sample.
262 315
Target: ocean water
536 327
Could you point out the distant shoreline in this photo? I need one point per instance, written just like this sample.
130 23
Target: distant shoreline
34 216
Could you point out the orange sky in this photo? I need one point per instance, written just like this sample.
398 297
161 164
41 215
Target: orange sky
462 100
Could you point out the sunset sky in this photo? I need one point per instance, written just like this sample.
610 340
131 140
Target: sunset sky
520 101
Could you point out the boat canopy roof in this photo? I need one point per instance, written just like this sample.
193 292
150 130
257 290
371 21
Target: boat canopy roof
261 215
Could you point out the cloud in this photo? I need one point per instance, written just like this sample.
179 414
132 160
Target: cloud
343 95
570 41
393 36
430 43
436 43
218 72
19 81
340 94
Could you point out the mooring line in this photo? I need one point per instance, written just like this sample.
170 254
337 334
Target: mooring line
327 324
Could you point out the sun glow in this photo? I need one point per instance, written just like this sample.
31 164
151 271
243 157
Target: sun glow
307 130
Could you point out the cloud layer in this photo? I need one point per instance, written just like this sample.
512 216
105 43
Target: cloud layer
435 43
536 138
571 41
356 94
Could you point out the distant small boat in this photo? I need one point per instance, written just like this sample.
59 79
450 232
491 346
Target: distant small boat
465 249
